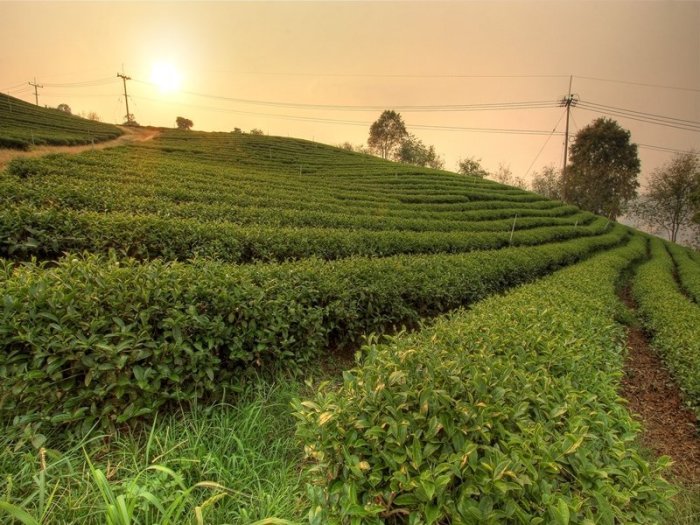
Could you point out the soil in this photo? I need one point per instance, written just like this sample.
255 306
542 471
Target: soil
669 427
131 134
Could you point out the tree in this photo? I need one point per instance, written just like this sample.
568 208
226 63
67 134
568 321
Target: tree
65 108
183 123
386 133
669 202
602 175
548 183
412 151
92 115
505 176
471 166
256 131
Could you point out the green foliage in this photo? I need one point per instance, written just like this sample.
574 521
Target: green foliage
472 166
672 318
23 125
411 150
507 413
688 271
111 341
233 463
602 176
386 133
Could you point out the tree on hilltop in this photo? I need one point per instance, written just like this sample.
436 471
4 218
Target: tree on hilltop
65 108
548 183
386 133
471 166
183 123
602 175
412 150
669 201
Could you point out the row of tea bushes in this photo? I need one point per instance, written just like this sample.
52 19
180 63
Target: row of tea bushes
688 270
507 413
101 339
27 232
671 318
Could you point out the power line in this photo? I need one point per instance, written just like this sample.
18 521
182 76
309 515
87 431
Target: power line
658 122
644 114
359 123
663 148
36 92
628 82
129 116
546 142
542 104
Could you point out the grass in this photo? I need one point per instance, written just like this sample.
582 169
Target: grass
238 462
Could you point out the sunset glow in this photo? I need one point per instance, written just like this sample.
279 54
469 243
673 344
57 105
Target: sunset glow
166 77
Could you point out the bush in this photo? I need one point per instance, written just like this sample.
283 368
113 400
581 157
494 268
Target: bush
507 413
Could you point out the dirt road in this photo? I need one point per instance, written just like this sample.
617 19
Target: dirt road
130 135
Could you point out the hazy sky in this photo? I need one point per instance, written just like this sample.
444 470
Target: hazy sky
640 56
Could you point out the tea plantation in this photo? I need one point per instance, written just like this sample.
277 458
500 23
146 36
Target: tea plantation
23 125
163 303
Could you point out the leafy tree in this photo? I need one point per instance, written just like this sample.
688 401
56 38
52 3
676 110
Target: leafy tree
505 176
472 166
548 183
386 133
412 150
669 202
237 131
183 123
256 131
92 115
602 175
65 108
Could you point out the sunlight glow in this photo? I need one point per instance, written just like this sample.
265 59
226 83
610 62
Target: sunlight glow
166 77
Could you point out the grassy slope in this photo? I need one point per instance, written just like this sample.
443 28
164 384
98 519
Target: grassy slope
23 125
244 184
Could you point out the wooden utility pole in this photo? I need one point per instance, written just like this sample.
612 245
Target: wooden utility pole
129 116
36 92
568 101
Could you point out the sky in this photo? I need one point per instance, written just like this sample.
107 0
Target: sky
324 71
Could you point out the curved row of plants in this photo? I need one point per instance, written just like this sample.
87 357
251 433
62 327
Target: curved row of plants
101 339
23 125
47 233
507 413
687 269
671 318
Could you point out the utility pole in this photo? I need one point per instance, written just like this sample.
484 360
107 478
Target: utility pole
568 101
36 93
129 116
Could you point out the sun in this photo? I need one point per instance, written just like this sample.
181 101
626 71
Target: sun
166 76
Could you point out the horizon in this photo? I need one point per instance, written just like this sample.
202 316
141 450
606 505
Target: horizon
324 71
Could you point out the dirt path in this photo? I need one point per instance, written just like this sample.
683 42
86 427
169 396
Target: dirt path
131 134
669 427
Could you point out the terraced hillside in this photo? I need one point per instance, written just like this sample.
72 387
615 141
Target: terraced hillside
23 125
157 277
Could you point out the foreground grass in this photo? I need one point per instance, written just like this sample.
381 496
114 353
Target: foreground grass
244 452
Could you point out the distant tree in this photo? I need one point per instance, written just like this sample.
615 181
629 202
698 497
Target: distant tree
412 150
347 146
183 123
256 131
92 115
237 131
669 201
471 166
602 175
65 108
548 183
505 176
386 133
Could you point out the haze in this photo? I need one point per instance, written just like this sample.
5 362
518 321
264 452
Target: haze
641 56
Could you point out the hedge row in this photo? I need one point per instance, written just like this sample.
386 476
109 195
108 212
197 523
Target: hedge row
102 339
688 271
672 318
47 233
507 413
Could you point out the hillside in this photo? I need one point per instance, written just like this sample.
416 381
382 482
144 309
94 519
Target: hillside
188 284
23 125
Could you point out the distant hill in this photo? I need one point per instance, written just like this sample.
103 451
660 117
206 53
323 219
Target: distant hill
23 125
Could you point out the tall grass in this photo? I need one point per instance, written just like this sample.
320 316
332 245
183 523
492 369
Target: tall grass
230 463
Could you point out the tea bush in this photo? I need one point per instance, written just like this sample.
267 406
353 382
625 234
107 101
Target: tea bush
688 270
507 413
101 339
672 319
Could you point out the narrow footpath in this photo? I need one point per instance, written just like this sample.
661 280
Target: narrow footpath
131 134
669 427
